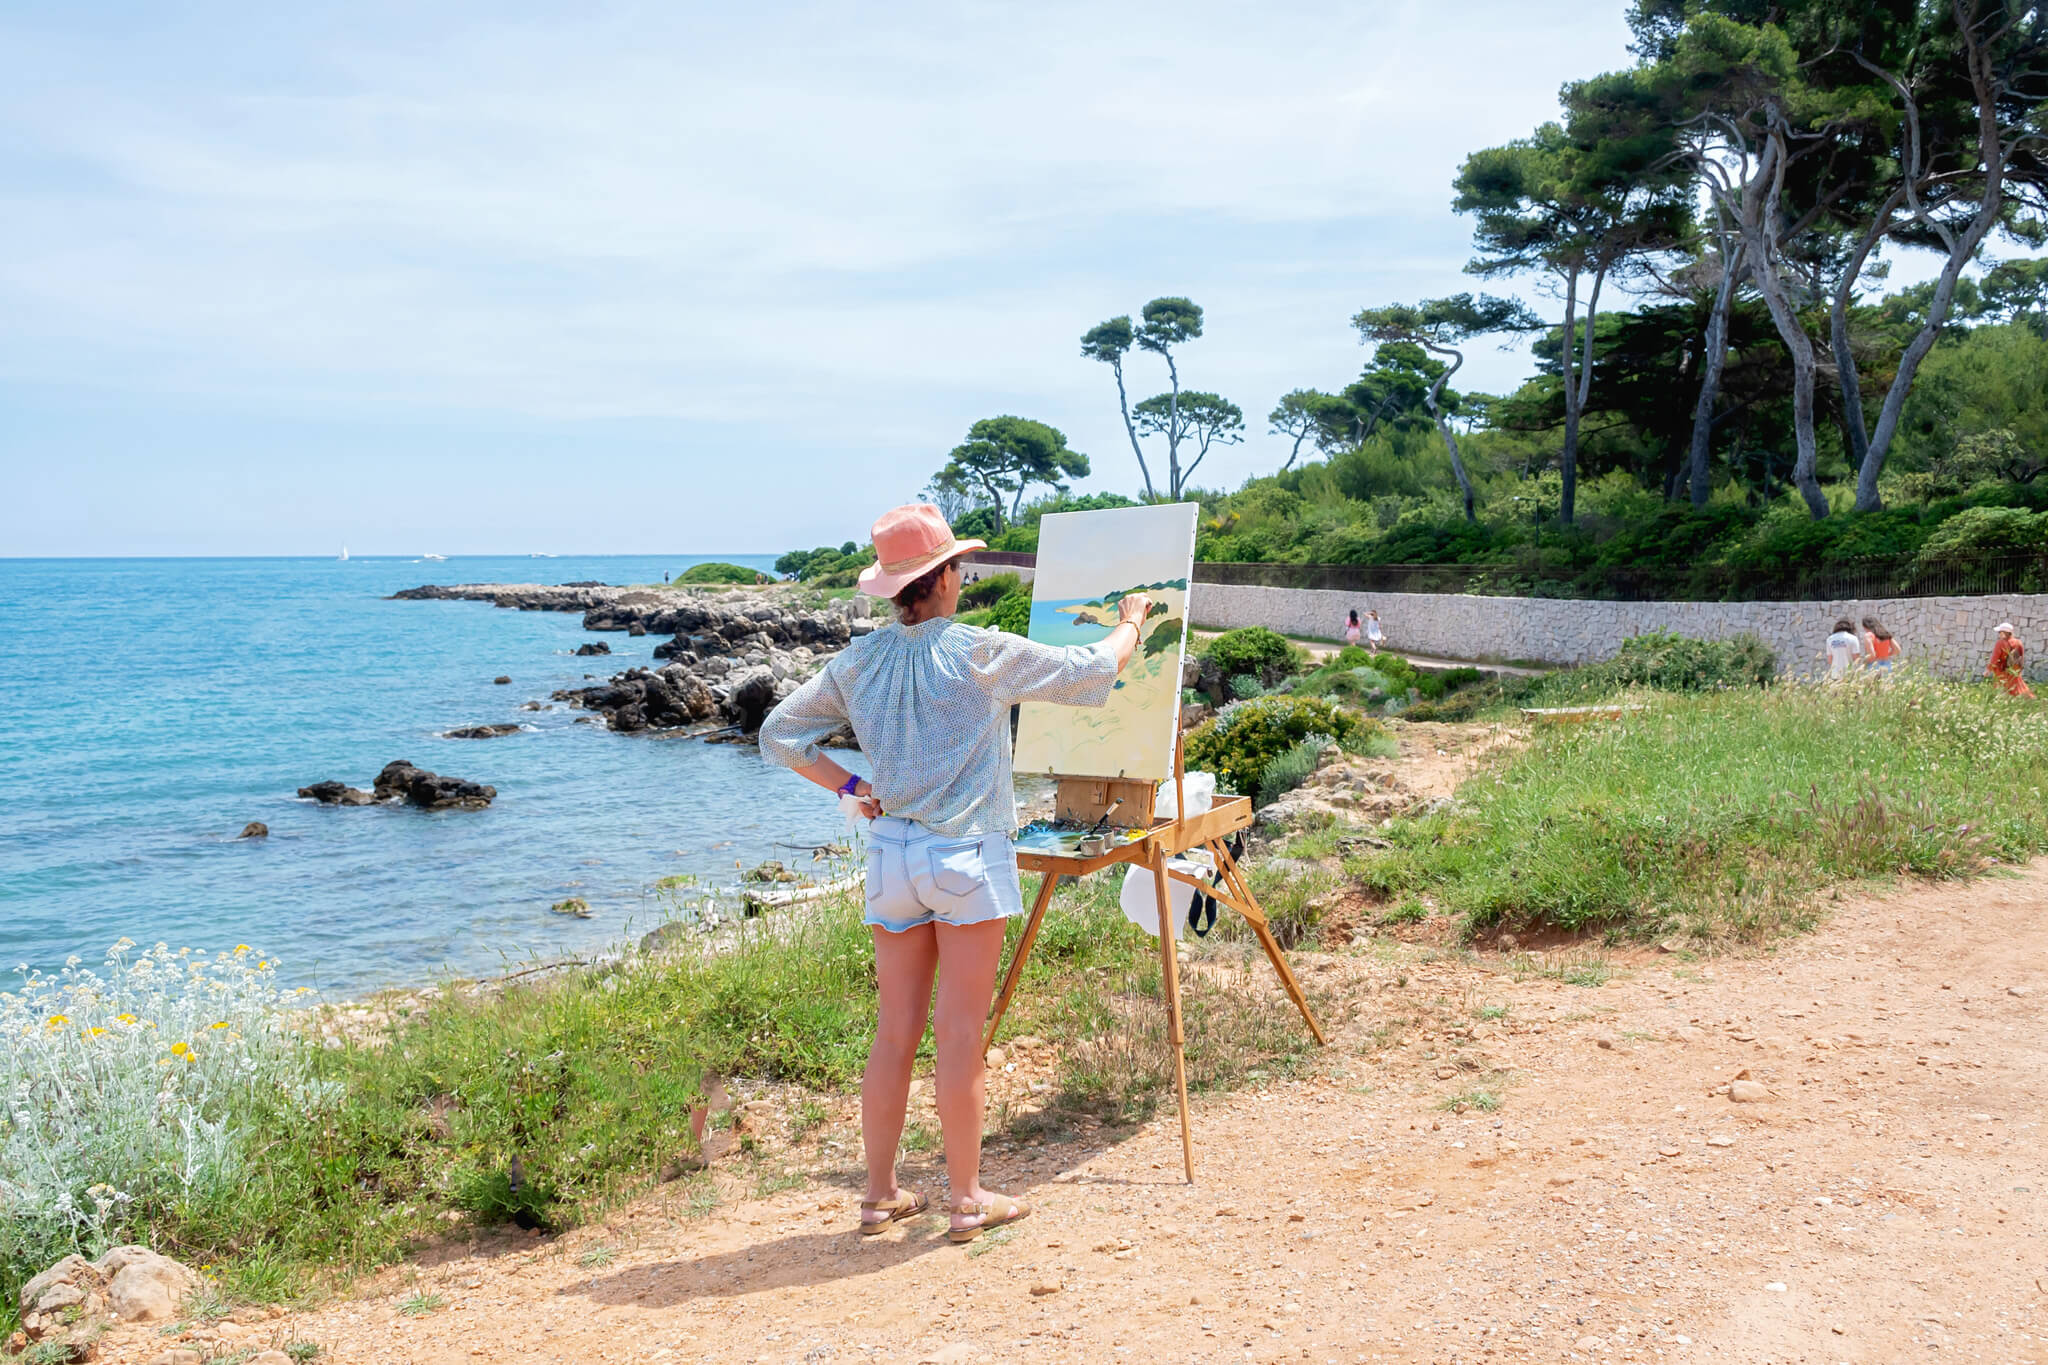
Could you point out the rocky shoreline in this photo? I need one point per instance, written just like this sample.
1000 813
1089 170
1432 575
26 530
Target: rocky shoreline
730 661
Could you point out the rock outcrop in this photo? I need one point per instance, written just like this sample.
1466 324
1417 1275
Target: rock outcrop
730 658
70 1301
480 731
255 829
336 794
592 648
401 781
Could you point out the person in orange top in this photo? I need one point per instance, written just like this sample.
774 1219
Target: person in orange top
2008 657
1879 648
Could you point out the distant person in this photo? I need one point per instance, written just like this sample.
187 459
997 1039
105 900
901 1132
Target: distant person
1880 650
1374 636
2008 659
929 700
1352 628
1843 650
664 575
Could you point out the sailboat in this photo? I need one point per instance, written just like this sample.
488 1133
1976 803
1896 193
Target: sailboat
434 557
344 554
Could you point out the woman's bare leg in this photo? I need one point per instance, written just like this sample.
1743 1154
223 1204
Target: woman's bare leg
903 989
968 957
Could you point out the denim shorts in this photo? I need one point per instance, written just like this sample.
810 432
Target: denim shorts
918 877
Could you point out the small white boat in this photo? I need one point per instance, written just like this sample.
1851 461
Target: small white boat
435 558
344 554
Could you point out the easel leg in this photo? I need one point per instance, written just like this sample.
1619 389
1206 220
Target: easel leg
1169 966
1227 869
1047 881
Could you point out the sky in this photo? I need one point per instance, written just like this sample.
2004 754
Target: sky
648 278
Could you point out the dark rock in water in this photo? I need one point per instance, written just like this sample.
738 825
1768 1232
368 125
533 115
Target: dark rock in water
400 780
576 906
481 731
599 583
770 871
637 629
336 794
750 695
594 647
255 829
502 679
533 706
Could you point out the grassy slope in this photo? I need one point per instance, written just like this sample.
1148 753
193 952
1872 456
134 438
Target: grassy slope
1729 812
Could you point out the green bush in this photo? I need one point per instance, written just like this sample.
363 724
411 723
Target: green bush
1264 654
1013 613
1241 739
1245 686
1662 661
989 591
1290 769
721 573
1987 530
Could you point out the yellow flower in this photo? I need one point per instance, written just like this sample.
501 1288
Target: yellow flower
241 948
179 1049
222 1024
124 1018
57 1021
94 1032
191 1056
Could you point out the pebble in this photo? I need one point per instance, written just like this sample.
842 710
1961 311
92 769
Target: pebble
1045 1287
270 1358
1775 1286
1583 1343
2009 990
1720 1140
996 1056
1748 1092
177 1355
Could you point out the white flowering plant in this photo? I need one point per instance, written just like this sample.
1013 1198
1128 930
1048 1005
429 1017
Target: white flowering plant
122 1091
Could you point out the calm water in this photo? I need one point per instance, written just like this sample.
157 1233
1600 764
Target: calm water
151 708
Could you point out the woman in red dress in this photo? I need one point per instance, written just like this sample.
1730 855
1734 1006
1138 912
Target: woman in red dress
2008 657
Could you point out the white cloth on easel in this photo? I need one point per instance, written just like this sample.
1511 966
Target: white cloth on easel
1201 789
1140 900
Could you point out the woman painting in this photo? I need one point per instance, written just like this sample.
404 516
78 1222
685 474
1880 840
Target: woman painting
2008 660
929 700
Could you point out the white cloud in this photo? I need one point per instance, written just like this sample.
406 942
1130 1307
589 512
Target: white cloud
829 220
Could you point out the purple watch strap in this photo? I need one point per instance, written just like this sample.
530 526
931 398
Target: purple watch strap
852 781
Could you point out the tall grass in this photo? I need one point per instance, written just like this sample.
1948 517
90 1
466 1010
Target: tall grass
1726 812
207 1119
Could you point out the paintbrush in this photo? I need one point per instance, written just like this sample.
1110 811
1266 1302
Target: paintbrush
1103 823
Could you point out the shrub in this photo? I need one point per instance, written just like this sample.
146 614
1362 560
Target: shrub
1262 653
1987 530
125 1096
1241 739
1290 769
1665 662
989 591
1013 613
721 573
1245 686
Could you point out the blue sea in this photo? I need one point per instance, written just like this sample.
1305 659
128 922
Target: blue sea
150 708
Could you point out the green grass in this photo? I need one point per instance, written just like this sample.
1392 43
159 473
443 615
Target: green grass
1485 1101
421 1304
1726 813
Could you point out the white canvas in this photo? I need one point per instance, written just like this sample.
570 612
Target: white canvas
1087 562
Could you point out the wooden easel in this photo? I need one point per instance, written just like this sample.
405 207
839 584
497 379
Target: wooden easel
1162 840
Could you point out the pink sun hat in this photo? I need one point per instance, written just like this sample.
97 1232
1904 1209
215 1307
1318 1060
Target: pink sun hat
910 542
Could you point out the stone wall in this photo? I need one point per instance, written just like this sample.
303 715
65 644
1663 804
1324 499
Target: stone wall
1951 634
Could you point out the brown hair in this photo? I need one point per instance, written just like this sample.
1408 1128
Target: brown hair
913 594
1846 626
1870 624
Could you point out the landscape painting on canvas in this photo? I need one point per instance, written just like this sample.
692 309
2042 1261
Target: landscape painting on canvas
1087 563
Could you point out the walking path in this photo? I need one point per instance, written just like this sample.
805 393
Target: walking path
1880 1198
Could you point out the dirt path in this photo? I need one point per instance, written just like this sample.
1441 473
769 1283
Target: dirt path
1884 1202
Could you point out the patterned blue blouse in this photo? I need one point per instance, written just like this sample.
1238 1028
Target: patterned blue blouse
930 704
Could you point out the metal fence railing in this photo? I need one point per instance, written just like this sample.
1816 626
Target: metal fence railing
1852 580
1848 580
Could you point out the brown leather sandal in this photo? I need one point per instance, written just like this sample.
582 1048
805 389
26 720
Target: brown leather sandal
1002 1209
906 1204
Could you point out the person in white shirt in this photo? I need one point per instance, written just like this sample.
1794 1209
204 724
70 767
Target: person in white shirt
1373 634
1844 648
